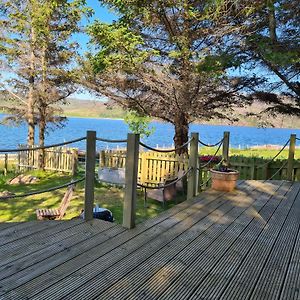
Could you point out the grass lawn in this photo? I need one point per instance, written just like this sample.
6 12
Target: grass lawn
23 209
263 153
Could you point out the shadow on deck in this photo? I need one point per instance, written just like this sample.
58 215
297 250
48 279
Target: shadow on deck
244 244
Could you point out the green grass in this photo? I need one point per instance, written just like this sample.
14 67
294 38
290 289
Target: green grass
263 153
23 209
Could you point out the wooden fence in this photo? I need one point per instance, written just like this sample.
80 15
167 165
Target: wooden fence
153 167
56 159
156 167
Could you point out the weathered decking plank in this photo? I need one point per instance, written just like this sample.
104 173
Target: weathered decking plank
197 223
242 283
237 245
72 237
151 240
291 285
277 264
189 280
25 229
22 245
31 283
160 269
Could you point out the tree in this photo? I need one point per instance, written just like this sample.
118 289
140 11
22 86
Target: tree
166 59
37 49
139 124
269 41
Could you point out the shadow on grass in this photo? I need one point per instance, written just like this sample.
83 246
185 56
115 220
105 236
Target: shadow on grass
110 197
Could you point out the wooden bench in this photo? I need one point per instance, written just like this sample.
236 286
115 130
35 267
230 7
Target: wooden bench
56 213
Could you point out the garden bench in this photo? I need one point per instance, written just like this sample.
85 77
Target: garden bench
56 213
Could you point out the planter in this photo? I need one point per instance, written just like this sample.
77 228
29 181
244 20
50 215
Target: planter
224 181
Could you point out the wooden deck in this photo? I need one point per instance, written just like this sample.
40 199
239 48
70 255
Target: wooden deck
240 245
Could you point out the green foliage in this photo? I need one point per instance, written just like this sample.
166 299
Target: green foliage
139 124
120 47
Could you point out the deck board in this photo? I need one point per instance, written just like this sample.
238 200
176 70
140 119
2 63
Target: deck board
244 244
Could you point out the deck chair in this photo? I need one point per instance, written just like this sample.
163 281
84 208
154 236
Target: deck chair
56 213
164 194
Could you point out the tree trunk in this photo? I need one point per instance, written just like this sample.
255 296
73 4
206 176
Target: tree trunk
181 134
42 128
30 103
30 121
42 107
272 22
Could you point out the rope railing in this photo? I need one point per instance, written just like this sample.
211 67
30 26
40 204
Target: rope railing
42 191
211 145
110 141
272 159
42 147
166 150
212 157
158 187
283 165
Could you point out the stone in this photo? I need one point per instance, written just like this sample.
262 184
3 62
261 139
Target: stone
23 179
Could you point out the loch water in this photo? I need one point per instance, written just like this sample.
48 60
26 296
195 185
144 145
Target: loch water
240 137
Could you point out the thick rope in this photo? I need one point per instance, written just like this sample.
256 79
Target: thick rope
166 150
277 171
165 185
111 141
206 164
44 147
43 191
211 145
272 159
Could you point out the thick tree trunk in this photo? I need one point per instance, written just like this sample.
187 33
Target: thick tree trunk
181 133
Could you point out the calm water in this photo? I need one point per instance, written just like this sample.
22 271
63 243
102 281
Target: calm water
116 129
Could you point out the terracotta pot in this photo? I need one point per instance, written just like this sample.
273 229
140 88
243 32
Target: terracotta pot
224 181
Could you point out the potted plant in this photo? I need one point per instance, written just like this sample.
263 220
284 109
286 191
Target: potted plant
223 178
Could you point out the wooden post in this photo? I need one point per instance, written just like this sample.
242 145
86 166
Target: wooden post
290 164
193 163
5 163
90 164
143 167
252 168
102 159
225 154
131 172
74 161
